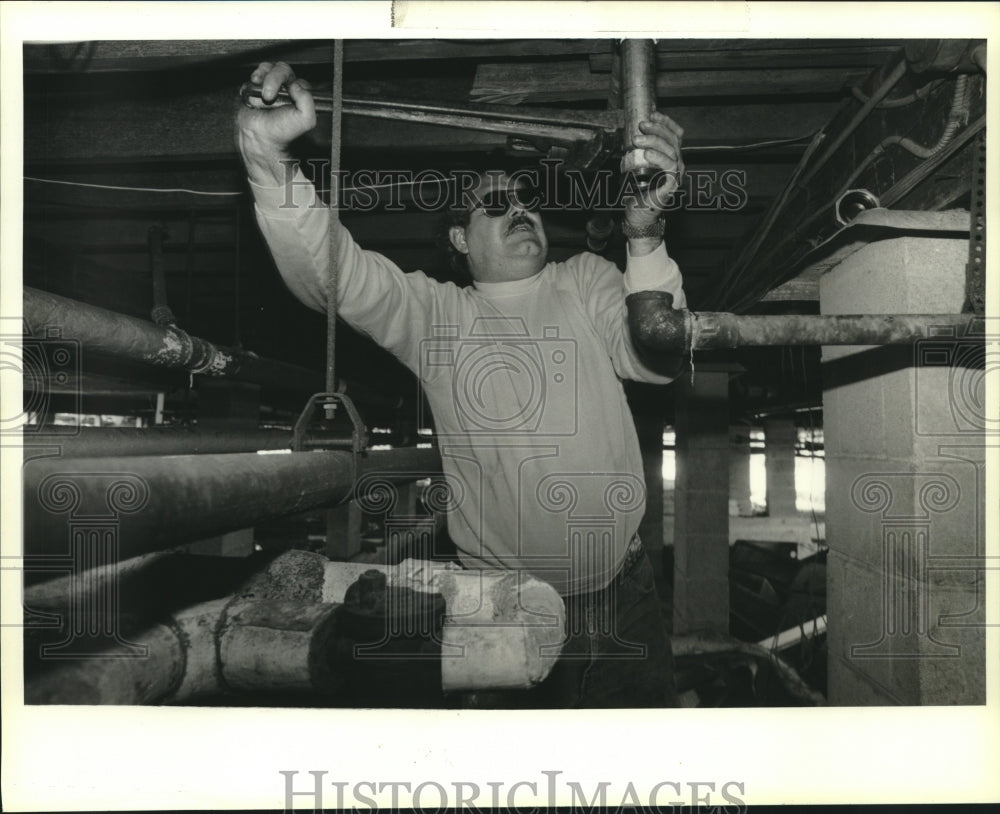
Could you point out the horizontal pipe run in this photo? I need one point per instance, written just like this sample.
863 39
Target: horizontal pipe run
564 125
657 326
141 504
99 442
103 331
214 648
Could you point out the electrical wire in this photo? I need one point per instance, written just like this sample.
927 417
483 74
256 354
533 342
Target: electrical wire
205 192
899 101
124 189
753 145
957 115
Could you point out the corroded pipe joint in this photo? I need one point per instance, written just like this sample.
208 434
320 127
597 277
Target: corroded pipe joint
655 324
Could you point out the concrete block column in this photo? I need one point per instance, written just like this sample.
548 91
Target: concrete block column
904 488
650 431
739 472
701 504
779 453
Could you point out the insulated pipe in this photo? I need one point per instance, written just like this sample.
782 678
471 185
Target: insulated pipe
502 630
142 504
658 327
104 331
230 644
639 81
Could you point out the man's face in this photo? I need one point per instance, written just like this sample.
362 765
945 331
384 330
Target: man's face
504 241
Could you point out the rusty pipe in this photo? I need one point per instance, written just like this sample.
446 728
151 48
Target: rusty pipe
639 83
161 313
96 442
149 503
103 331
658 327
554 125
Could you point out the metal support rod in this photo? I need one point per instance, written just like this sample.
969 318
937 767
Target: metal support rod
333 278
656 326
639 84
154 503
103 331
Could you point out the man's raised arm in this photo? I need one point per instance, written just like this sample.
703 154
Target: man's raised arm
374 295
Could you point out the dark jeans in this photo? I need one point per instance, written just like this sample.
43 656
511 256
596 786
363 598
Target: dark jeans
617 653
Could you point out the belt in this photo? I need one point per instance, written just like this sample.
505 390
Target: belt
633 556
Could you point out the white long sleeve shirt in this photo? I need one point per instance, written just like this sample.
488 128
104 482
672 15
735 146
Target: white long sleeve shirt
524 380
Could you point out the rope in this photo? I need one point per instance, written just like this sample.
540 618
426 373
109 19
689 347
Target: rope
333 277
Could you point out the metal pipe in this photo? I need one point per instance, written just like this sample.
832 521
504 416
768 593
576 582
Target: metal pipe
153 503
658 327
880 93
103 331
98 442
161 313
552 124
216 647
639 81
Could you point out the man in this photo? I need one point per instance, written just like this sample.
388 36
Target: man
523 374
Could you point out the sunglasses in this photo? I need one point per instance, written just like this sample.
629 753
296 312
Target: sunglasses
496 202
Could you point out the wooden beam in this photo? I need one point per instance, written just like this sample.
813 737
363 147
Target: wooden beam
671 57
199 126
538 82
154 55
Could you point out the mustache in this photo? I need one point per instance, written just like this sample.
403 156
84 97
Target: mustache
518 220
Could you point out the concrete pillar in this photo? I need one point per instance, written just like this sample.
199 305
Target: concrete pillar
701 503
779 456
904 488
739 472
650 431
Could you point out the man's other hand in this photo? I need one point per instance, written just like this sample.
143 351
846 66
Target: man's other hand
265 128
658 145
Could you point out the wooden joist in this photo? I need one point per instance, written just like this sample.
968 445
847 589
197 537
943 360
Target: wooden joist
538 82
200 125
153 55
679 55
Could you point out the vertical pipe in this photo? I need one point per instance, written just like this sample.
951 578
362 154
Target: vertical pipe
161 313
236 277
639 85
336 112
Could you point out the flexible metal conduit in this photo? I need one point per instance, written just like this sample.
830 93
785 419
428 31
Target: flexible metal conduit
656 326
154 503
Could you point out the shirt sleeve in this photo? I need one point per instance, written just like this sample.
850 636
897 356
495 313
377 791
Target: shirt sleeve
655 271
604 289
374 295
